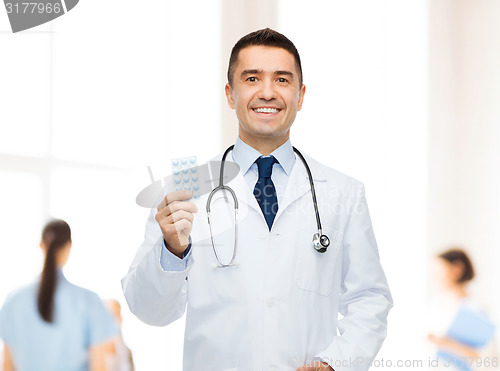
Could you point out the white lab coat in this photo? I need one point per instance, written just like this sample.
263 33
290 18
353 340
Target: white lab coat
278 307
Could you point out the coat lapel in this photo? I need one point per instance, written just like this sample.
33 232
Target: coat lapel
238 184
243 192
298 185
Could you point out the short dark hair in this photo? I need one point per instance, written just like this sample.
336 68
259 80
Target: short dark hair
456 255
264 37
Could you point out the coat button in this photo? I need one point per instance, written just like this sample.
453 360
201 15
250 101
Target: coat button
270 302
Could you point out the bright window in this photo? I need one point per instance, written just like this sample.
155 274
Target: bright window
87 102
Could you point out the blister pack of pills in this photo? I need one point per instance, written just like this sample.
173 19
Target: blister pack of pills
185 175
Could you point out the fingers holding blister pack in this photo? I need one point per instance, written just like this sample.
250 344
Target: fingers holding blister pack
175 219
176 213
186 175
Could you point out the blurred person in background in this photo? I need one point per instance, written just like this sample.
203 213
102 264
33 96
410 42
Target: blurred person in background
465 334
121 359
53 325
1 353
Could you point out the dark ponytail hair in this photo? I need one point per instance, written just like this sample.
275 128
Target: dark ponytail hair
55 236
454 256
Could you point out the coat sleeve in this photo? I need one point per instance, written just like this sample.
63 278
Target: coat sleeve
365 299
156 296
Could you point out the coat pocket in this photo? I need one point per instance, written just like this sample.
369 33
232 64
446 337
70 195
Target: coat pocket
314 271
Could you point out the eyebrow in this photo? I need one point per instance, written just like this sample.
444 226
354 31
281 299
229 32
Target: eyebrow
286 73
255 71
250 72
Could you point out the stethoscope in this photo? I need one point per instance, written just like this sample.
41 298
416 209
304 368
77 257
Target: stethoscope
320 241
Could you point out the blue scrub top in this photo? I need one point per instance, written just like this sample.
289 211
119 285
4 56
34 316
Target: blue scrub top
80 320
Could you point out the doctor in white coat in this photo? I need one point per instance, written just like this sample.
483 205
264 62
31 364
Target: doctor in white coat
278 307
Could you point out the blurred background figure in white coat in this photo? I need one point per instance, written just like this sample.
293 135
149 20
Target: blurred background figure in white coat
464 333
52 324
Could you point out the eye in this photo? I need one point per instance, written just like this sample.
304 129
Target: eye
252 79
282 80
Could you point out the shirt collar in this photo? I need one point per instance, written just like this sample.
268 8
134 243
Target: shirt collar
60 274
245 155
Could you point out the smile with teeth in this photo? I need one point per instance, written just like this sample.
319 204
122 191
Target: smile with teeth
266 110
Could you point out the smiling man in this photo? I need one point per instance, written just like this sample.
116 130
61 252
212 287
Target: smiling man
265 88
277 307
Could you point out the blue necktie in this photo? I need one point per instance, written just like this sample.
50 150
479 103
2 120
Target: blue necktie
264 190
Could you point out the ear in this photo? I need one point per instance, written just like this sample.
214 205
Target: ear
229 96
302 91
458 270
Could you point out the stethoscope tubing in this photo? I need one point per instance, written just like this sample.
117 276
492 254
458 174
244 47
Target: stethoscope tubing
313 191
222 187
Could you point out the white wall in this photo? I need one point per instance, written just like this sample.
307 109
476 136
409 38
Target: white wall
86 103
464 136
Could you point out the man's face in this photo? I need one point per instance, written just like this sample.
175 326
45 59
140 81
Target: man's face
265 94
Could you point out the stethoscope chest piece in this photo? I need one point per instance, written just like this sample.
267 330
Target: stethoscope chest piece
320 242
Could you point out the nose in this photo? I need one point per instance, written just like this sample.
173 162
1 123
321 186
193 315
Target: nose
267 91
